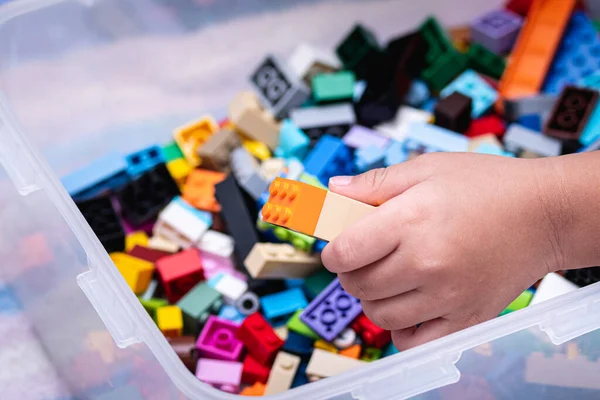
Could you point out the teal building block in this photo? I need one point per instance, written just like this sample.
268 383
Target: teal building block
337 86
293 142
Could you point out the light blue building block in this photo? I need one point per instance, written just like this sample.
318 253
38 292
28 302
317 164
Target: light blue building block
472 85
418 93
293 142
434 137
368 158
591 132
278 306
395 154
591 81
486 148
108 172
577 56
232 314
143 160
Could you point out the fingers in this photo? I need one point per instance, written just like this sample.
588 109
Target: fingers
403 311
368 240
379 185
405 339
384 278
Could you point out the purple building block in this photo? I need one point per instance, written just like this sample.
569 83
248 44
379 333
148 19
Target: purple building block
218 340
497 30
331 311
359 137
224 375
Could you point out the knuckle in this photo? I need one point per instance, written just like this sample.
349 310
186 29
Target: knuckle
353 286
381 317
375 178
343 255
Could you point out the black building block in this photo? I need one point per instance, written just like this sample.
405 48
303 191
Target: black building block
583 276
104 221
454 112
571 113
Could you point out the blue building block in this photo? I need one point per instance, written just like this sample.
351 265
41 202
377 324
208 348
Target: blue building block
293 142
106 173
298 344
395 154
319 246
591 81
577 56
278 306
143 160
531 121
486 148
300 378
368 158
330 157
591 132
418 93
429 105
472 85
232 314
8 301
294 283
331 311
435 137
390 350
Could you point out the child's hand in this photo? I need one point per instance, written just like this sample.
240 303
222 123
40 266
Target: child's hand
457 237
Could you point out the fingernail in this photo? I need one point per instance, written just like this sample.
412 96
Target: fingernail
340 181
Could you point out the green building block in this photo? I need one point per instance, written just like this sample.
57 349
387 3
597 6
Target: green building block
311 180
596 25
295 324
485 62
437 40
519 303
298 240
171 152
333 87
197 305
360 52
317 282
371 354
444 70
152 305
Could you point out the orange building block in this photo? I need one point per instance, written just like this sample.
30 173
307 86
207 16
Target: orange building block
190 137
352 351
294 205
534 51
199 189
258 389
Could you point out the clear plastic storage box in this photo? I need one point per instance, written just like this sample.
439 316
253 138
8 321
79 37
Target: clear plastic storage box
81 78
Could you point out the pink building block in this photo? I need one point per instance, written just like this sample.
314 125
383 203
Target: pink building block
359 137
214 265
224 375
217 340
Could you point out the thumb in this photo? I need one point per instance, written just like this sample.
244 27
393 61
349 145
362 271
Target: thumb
377 186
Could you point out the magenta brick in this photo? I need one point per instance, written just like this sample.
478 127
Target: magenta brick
224 375
359 137
217 340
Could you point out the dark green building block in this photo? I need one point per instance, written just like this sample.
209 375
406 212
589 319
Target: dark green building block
197 305
338 86
371 354
444 70
317 282
171 152
360 52
437 40
485 62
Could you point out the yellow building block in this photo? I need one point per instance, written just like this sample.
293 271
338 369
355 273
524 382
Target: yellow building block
256 148
135 238
136 272
323 345
179 170
190 137
170 321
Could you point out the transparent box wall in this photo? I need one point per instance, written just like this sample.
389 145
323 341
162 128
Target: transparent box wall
81 78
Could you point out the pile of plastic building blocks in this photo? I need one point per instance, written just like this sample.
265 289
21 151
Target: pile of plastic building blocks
219 232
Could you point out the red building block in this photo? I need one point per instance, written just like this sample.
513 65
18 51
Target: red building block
520 7
148 254
253 371
179 273
489 124
259 338
370 333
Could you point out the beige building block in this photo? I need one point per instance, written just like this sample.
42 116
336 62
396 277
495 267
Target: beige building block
282 373
161 243
338 213
216 150
272 168
248 116
324 364
280 261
